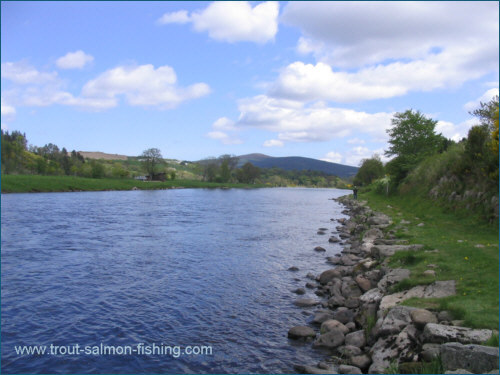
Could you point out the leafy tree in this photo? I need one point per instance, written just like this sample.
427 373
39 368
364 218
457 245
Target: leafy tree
227 165
210 168
248 173
412 138
487 112
151 159
370 170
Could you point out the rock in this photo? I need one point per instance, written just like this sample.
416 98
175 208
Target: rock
396 319
336 301
420 225
321 232
310 286
331 339
383 251
363 283
437 289
407 343
356 339
361 361
380 219
300 291
372 296
444 316
328 275
319 249
306 302
430 273
321 317
421 317
459 371
322 229
351 326
382 353
331 324
333 239
439 333
350 288
301 369
430 352
457 323
293 269
474 358
345 369
343 315
392 277
372 234
351 302
301 332
350 351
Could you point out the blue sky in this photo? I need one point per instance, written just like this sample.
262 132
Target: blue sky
200 79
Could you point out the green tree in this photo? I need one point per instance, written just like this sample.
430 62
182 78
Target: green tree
248 173
370 170
227 165
151 160
411 138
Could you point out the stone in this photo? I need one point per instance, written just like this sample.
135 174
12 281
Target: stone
293 269
333 239
336 301
361 361
343 315
328 275
438 289
310 286
371 296
331 324
356 338
439 333
300 291
430 352
383 251
351 302
321 317
350 351
392 277
350 288
445 316
474 358
363 283
346 369
331 339
379 219
319 249
459 371
457 323
382 353
351 326
420 225
301 332
320 232
306 302
372 234
396 320
421 317
302 369
430 273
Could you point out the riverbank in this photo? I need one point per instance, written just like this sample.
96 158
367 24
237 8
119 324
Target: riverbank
36 184
372 318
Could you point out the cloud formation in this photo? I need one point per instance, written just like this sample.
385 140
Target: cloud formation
232 21
74 60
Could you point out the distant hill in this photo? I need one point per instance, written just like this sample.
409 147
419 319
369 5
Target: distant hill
289 163
102 155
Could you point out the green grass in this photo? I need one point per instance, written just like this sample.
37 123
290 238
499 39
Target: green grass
35 183
455 236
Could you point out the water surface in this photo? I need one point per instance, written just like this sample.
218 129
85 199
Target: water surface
175 267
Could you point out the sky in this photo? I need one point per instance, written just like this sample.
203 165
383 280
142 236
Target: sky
201 79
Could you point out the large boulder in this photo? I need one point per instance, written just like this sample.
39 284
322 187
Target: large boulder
382 354
301 332
372 296
392 277
438 289
383 251
343 315
332 324
439 333
475 358
306 302
346 369
328 275
303 369
421 317
356 338
395 321
331 339
321 317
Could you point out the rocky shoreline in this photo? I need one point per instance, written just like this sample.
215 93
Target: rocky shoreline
362 324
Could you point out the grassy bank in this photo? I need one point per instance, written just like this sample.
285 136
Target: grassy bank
467 251
35 183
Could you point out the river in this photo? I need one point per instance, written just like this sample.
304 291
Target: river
170 268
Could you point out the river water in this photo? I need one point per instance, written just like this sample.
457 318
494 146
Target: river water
170 268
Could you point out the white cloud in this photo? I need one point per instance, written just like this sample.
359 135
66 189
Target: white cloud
223 123
273 143
356 141
232 21
142 86
455 132
297 122
350 33
180 17
8 111
485 98
24 74
74 60
333 157
224 138
300 81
